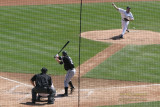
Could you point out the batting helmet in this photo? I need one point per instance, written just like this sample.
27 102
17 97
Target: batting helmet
44 70
64 53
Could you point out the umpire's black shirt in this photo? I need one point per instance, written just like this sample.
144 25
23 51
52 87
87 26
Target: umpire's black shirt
42 80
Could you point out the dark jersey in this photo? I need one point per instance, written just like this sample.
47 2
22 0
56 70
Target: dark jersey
42 80
67 61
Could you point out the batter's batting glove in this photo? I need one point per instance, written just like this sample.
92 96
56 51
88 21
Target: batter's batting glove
56 56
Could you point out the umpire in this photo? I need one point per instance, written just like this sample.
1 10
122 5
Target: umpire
42 84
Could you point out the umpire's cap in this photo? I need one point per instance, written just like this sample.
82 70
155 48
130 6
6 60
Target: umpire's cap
44 70
64 53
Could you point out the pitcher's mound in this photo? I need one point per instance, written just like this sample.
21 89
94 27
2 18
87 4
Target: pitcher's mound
138 37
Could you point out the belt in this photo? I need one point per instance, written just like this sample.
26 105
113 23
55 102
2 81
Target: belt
124 20
71 69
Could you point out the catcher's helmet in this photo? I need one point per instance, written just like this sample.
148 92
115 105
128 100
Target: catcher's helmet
44 70
64 53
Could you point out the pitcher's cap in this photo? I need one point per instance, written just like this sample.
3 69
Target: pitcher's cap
128 7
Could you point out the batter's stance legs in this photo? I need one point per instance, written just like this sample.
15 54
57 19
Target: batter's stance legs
66 91
67 81
72 87
66 88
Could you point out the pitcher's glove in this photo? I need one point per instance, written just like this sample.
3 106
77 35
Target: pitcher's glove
125 19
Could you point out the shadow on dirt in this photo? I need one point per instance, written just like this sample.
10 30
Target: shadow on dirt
42 102
60 95
116 37
36 104
113 38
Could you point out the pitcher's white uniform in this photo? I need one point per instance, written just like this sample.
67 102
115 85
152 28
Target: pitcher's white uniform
124 14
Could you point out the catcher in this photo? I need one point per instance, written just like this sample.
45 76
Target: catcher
43 84
126 16
69 67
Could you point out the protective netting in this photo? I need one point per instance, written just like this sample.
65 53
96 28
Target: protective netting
117 60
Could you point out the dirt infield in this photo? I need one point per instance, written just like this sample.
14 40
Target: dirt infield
15 90
134 37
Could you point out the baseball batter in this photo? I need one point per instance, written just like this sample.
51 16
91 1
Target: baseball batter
126 16
69 67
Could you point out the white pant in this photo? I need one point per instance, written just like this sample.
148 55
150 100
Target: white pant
124 26
69 75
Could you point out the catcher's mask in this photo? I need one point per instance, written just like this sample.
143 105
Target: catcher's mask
44 70
64 53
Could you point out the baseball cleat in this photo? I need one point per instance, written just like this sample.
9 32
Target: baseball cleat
127 30
121 36
64 95
51 102
33 102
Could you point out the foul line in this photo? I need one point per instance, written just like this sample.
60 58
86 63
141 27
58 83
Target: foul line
16 81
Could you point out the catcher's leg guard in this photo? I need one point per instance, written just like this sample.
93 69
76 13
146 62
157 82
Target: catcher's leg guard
51 96
39 98
34 95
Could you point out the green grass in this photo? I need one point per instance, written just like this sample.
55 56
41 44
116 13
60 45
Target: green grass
148 104
132 63
101 16
31 35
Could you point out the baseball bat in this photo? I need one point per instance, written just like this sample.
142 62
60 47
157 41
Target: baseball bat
63 47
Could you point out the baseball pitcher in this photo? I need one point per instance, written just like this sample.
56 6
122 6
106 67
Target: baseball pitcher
126 16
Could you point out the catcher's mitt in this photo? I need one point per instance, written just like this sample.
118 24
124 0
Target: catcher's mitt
125 19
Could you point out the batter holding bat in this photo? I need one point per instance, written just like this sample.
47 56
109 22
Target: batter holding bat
126 16
69 67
